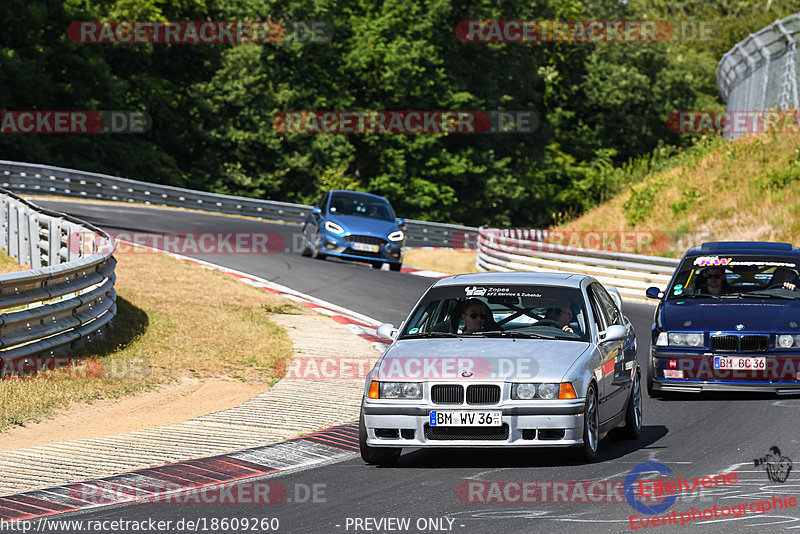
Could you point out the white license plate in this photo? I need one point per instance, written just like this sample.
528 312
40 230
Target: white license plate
471 418
721 362
363 247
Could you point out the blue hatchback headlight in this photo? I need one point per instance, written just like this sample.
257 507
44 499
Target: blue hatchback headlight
333 227
396 236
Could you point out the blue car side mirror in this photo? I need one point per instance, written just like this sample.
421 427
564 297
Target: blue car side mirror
316 211
654 293
401 222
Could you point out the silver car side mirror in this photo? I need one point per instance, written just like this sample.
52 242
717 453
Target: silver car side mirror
387 331
615 332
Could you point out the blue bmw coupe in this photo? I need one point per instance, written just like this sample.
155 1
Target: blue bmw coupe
729 320
354 226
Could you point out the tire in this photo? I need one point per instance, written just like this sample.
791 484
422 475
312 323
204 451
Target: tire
306 247
651 391
376 264
395 266
633 413
316 248
375 455
591 425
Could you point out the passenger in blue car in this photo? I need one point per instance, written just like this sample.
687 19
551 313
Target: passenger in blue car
716 284
785 278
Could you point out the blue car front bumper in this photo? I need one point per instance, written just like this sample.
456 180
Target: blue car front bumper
361 247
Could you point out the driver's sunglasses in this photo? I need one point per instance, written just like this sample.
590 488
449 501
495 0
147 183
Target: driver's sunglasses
475 315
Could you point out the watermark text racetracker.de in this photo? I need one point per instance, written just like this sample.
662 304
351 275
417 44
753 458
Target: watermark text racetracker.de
181 242
199 32
405 122
584 31
74 368
73 122
184 524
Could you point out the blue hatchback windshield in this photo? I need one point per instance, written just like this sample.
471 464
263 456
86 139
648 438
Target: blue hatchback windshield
361 206
737 277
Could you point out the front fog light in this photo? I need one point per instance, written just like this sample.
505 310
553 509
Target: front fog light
523 391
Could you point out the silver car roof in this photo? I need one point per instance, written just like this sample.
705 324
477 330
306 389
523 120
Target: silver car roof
543 279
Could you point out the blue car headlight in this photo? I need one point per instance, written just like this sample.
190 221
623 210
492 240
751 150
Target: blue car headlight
333 227
396 236
787 341
680 339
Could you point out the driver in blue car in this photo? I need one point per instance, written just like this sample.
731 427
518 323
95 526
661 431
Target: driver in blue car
785 278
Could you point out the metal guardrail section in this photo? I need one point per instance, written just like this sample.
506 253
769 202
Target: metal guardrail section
503 250
68 294
759 72
28 178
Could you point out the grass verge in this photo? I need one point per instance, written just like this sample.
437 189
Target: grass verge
453 261
174 320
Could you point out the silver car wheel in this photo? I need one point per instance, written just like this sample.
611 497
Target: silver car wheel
592 423
637 401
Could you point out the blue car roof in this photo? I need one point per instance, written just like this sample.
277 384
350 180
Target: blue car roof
357 193
742 247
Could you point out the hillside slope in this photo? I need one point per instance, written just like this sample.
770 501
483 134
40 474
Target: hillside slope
748 189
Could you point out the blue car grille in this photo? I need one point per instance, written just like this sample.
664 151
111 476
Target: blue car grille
366 239
732 343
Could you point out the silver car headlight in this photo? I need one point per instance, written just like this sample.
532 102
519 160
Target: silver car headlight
527 391
333 227
395 390
787 341
680 339
396 236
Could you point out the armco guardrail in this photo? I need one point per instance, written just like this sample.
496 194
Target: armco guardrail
29 178
68 294
632 274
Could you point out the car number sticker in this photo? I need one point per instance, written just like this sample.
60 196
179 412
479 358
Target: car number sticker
464 418
721 362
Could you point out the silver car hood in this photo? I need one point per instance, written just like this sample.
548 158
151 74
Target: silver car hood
478 358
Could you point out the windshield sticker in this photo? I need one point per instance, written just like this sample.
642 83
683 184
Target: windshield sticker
476 291
705 261
708 261
413 331
763 263
677 291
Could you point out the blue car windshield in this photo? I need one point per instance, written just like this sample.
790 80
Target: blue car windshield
731 276
361 206
493 311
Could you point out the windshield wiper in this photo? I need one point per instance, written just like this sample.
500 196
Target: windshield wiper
431 334
506 333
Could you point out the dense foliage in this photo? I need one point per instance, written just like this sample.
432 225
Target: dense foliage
600 105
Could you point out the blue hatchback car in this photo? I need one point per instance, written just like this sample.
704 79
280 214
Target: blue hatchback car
729 320
355 226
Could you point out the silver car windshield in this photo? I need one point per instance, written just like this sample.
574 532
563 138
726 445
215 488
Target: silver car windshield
500 311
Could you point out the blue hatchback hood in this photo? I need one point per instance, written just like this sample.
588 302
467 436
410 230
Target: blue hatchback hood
757 315
364 225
